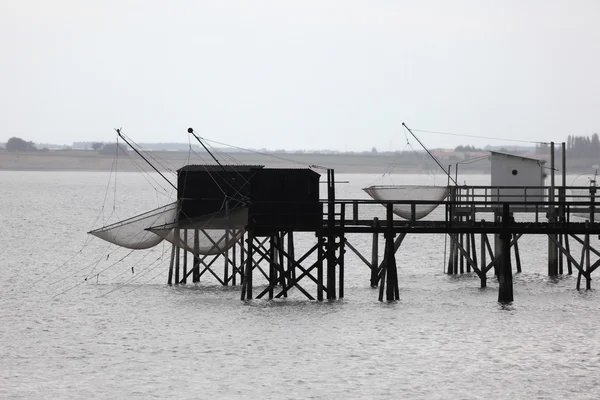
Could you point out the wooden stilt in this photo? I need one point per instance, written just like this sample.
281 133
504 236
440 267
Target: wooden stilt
390 293
234 265
242 262
196 266
185 257
330 257
382 279
461 258
249 265
517 254
226 262
320 269
280 260
497 247
568 249
170 279
375 255
455 255
468 240
581 263
450 268
272 273
483 275
342 250
473 248
505 292
588 281
552 257
560 254
389 277
284 273
291 258
177 259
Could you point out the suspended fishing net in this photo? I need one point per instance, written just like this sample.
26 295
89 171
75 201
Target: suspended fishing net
206 235
409 193
132 233
202 241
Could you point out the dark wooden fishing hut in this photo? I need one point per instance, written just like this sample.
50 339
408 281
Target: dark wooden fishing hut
276 201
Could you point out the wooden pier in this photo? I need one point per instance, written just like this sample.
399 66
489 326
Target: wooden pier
470 212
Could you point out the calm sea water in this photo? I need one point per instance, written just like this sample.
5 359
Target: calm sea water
77 322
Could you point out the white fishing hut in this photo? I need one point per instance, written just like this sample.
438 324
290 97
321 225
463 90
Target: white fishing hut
511 172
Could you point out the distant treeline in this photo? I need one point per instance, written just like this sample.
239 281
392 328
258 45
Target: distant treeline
145 146
18 144
583 146
577 146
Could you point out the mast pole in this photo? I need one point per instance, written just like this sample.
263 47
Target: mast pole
431 155
144 158
190 130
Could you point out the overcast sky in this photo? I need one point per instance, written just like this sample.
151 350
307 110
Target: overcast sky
299 74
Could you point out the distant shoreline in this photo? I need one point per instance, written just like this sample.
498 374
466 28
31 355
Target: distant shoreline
90 161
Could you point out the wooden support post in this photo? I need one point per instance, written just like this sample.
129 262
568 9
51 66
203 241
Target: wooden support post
249 265
450 269
320 269
170 279
185 257
588 277
581 264
196 266
517 254
330 256
375 255
272 272
497 246
331 246
462 259
391 283
455 256
280 260
568 248
177 257
242 259
342 250
588 280
234 266
473 248
291 258
468 239
389 277
552 248
226 262
483 268
505 292
560 254
552 256
285 273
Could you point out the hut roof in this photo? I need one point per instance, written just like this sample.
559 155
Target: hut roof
218 168
539 161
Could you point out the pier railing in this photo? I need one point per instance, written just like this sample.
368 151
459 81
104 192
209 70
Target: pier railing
469 204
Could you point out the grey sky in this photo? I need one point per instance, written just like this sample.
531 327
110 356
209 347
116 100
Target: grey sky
299 74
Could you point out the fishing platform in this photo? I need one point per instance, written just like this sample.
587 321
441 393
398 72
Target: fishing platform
247 216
